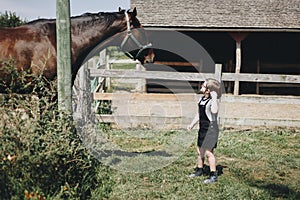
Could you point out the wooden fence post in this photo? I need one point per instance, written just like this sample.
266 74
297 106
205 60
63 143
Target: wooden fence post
107 67
85 99
218 76
141 84
63 34
218 72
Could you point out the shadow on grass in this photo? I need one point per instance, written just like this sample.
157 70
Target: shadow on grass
276 190
120 153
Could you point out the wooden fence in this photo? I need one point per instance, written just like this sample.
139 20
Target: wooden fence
175 111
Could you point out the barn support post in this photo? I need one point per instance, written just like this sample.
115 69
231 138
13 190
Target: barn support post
258 71
237 67
238 37
63 38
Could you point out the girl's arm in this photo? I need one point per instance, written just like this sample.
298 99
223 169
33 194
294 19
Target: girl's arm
214 102
194 122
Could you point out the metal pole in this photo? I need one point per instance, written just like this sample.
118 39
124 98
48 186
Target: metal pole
63 38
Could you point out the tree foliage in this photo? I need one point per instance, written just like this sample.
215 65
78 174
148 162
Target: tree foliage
10 19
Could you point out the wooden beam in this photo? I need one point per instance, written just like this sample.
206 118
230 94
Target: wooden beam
150 75
258 71
239 36
183 64
183 121
265 99
218 72
123 61
107 67
260 122
63 35
184 76
271 78
172 83
145 96
83 105
274 85
228 117
141 84
237 67
261 99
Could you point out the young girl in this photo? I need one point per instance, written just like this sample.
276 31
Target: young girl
208 107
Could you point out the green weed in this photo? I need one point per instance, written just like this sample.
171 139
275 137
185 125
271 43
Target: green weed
41 156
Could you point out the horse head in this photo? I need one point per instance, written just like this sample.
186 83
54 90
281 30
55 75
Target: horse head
135 43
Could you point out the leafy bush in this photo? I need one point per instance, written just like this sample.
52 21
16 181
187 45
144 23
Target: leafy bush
19 82
10 19
41 155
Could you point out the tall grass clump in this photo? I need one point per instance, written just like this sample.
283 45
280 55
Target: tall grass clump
41 156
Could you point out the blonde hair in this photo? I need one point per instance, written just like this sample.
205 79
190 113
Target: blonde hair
214 85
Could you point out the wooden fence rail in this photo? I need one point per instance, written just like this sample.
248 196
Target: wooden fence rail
186 76
269 78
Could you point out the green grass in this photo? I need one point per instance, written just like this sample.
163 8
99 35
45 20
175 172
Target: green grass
254 164
40 153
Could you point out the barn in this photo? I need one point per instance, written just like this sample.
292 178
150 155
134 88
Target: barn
251 45
245 36
254 41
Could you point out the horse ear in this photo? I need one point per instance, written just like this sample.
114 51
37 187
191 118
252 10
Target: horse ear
134 12
120 9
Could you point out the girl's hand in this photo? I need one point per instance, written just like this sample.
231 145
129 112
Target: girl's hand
190 127
213 95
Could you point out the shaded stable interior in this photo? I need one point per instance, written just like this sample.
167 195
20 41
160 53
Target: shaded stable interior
261 52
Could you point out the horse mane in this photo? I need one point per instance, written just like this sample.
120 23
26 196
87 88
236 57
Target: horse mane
104 17
37 21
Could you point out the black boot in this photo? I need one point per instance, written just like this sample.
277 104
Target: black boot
212 178
198 172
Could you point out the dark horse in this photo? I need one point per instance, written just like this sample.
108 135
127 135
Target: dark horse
33 45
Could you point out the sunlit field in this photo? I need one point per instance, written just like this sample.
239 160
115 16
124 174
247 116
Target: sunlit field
252 165
42 157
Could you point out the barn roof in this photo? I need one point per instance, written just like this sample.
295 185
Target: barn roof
219 14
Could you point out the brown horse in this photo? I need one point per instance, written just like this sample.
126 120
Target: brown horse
33 45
